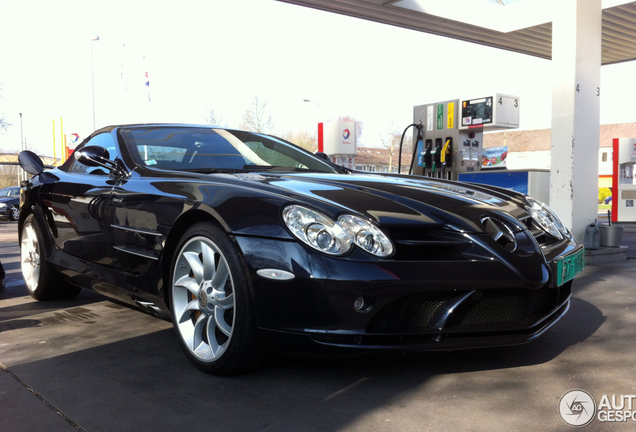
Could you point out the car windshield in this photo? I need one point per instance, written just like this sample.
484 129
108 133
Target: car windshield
7 192
216 150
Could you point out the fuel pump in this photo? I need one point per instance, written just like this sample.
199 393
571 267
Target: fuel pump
624 180
453 133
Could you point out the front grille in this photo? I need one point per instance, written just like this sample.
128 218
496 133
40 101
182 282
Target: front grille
431 244
488 309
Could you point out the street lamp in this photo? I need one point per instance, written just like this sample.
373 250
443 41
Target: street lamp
93 78
21 149
309 101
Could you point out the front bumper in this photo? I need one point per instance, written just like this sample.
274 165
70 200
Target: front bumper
417 305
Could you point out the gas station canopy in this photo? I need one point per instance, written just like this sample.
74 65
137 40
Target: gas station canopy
523 26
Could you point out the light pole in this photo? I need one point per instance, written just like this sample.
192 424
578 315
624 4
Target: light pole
20 172
310 101
93 78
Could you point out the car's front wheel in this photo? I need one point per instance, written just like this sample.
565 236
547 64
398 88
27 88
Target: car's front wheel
40 280
211 307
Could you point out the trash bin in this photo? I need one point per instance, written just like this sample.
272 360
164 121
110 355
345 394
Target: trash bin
611 235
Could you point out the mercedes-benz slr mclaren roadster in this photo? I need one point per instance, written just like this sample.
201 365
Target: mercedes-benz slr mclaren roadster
248 242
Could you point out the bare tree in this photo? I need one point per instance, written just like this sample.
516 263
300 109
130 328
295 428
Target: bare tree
257 118
215 120
4 125
304 139
9 169
391 141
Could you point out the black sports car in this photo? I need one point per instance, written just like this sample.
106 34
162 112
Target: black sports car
10 202
248 242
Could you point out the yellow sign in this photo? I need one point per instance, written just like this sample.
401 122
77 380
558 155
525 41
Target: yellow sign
450 115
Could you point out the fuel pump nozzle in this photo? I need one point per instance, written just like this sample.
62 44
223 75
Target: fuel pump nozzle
427 160
435 154
445 151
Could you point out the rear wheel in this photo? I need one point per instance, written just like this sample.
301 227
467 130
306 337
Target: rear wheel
211 307
42 283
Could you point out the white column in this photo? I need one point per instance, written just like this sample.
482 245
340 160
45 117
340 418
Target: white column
576 61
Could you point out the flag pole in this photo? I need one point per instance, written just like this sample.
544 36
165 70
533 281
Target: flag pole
62 138
93 78
54 139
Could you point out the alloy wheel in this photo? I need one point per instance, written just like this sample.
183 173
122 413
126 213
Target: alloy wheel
203 299
30 257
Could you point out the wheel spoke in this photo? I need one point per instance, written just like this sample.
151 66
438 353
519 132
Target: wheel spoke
35 276
213 343
27 274
221 276
187 311
197 332
226 302
219 319
195 265
208 261
188 283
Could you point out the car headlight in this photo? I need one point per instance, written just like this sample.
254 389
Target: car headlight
547 218
366 235
3 206
317 230
335 238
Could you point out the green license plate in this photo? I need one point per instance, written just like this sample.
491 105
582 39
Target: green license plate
569 266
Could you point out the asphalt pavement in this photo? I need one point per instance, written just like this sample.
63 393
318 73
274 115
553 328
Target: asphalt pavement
90 364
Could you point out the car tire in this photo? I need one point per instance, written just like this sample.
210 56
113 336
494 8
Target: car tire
41 282
212 310
14 213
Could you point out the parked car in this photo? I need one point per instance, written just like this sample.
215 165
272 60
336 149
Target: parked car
10 202
247 242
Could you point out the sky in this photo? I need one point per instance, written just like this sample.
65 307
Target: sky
220 55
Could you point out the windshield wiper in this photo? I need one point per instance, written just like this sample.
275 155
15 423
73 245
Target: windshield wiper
277 168
213 170
261 167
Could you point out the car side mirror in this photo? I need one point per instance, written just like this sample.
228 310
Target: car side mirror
96 156
30 162
323 155
93 156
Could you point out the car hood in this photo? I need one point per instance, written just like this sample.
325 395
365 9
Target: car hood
9 200
395 200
